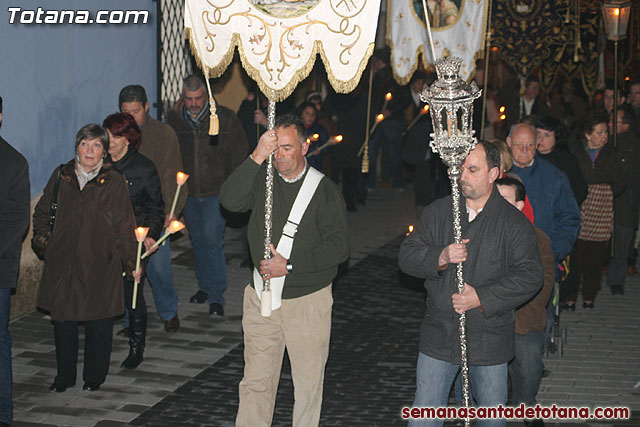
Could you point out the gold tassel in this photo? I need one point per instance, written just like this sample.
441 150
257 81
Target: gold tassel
365 160
214 122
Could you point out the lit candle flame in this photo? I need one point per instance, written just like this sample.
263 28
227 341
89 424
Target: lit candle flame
410 230
141 233
315 136
502 108
181 178
503 116
339 138
308 141
388 96
379 117
424 109
175 226
616 11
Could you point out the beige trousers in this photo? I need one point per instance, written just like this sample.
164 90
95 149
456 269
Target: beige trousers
303 326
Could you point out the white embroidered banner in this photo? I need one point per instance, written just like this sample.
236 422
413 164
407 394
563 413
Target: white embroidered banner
278 39
458 29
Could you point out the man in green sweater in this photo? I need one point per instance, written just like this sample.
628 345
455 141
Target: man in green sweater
302 323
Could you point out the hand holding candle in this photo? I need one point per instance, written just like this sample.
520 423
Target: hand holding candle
141 234
174 227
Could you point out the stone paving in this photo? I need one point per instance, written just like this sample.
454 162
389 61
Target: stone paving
190 377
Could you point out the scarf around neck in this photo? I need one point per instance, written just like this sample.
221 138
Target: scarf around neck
85 177
195 122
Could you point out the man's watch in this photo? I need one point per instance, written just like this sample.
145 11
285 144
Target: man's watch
289 267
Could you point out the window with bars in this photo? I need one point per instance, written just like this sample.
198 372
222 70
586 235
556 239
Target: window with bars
176 61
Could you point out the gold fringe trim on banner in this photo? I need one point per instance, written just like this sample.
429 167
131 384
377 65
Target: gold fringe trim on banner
342 86
420 50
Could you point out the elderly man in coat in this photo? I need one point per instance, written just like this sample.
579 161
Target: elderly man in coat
502 270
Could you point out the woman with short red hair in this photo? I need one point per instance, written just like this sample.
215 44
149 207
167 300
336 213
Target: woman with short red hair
148 207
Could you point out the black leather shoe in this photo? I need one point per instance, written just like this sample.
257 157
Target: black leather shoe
569 306
216 309
172 324
587 304
60 388
617 290
199 297
91 387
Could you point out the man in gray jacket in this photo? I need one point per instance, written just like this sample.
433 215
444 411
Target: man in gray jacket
502 270
209 160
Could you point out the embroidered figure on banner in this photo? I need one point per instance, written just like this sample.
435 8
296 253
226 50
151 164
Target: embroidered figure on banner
284 8
442 13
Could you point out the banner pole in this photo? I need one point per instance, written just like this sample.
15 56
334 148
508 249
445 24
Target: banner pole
487 55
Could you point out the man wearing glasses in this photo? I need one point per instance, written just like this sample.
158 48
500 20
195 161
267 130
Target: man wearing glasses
554 207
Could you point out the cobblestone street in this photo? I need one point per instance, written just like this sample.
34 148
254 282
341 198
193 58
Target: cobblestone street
190 378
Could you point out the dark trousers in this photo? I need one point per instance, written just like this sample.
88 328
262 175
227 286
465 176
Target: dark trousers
6 380
98 335
622 241
589 261
350 178
633 251
526 367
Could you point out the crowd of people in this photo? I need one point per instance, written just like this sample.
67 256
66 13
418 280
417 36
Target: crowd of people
549 189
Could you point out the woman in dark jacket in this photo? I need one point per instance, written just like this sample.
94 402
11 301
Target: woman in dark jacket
146 198
601 168
550 136
552 148
85 250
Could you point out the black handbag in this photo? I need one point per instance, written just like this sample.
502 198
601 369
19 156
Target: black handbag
54 200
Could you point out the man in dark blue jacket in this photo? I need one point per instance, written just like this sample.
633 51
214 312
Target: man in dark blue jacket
502 270
554 205
14 222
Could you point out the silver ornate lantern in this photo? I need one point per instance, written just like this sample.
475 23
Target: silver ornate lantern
451 103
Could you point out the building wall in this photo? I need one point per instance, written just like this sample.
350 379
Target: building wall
57 78
54 79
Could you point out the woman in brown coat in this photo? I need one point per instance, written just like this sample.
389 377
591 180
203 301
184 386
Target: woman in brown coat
85 249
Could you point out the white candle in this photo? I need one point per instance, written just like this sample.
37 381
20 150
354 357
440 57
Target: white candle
181 178
379 118
173 227
338 139
141 234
